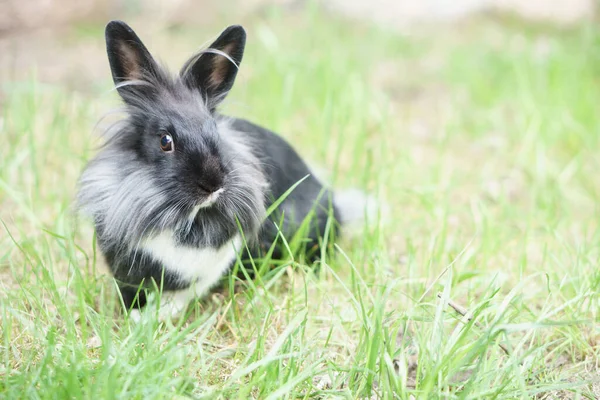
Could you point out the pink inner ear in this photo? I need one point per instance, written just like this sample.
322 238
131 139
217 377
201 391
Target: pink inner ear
130 61
221 66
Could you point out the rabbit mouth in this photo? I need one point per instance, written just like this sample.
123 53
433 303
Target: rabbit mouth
210 200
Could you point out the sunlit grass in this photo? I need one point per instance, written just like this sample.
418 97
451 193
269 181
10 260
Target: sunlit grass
483 140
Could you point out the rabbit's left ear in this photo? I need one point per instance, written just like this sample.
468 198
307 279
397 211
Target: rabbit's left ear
214 70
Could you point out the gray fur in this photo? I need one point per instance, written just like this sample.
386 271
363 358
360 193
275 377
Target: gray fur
135 192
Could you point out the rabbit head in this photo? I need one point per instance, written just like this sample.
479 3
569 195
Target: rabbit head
173 162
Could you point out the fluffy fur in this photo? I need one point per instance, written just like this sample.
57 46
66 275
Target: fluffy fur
177 218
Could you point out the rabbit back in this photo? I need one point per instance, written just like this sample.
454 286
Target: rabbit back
283 168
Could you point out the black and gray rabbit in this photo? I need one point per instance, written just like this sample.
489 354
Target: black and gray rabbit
179 191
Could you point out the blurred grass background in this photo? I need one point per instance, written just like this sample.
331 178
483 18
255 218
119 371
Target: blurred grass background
480 129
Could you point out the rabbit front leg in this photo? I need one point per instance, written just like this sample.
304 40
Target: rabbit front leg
174 302
171 306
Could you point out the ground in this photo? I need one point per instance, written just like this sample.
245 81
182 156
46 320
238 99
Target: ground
484 139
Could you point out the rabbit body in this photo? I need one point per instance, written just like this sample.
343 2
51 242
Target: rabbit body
179 191
190 254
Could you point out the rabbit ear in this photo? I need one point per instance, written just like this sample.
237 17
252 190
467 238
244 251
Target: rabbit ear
213 71
129 59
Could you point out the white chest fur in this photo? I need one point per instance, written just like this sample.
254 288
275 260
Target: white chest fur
204 266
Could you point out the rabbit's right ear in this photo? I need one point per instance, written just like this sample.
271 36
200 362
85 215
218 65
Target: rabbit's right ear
129 59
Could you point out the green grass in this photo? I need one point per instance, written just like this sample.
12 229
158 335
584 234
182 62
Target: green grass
484 139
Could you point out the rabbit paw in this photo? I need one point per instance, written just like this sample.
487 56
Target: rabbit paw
171 306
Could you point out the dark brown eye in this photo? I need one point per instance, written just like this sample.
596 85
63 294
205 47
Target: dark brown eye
166 143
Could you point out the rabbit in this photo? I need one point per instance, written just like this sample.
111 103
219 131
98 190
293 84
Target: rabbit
179 191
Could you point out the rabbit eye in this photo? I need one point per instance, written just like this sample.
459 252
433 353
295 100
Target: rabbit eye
166 143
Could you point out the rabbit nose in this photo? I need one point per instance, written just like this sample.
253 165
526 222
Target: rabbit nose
212 177
211 184
208 188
